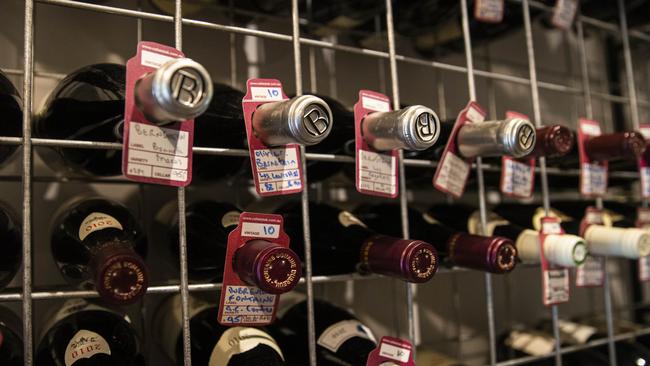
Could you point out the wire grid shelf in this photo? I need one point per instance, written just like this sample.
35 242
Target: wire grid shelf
28 294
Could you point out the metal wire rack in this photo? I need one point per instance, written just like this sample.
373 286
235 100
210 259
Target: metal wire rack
28 294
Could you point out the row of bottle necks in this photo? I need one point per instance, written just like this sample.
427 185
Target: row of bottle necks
88 105
98 244
86 332
433 26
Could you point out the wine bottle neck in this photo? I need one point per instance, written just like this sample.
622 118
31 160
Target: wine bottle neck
409 260
120 274
269 266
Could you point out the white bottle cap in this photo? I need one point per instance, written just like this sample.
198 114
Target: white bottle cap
629 243
562 250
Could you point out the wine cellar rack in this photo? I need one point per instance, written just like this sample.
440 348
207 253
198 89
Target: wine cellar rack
29 294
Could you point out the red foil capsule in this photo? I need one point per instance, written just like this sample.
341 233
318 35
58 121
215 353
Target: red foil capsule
269 266
553 141
620 145
121 276
409 260
493 254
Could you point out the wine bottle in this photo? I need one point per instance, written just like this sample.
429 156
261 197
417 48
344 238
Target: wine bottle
553 141
83 333
98 243
434 26
211 342
563 250
11 110
484 253
341 235
512 137
338 16
601 240
269 266
11 342
305 120
11 243
341 339
618 148
89 105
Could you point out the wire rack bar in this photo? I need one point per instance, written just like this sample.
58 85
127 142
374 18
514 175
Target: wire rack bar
467 38
629 69
537 119
28 87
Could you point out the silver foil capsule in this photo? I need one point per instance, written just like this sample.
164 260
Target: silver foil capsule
411 128
512 137
180 89
305 120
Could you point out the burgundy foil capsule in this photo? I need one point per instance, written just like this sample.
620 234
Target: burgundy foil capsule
553 141
486 253
409 260
620 145
269 266
121 276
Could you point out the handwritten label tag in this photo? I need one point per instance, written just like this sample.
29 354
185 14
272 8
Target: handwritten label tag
517 175
392 352
241 303
564 13
555 280
644 164
154 154
593 174
489 11
376 171
453 170
591 273
643 222
277 170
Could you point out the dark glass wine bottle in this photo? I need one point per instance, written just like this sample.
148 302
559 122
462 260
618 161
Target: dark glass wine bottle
11 243
11 342
342 244
89 105
11 110
601 240
563 250
97 243
208 225
434 26
83 333
212 343
277 123
484 253
341 339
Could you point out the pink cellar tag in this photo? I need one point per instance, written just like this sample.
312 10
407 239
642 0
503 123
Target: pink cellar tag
644 164
376 171
593 174
453 170
489 11
392 351
564 13
555 281
643 222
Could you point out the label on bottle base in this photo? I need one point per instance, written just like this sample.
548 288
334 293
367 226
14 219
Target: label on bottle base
338 333
242 303
577 333
230 219
376 171
530 342
85 344
238 340
517 175
564 13
392 352
276 170
97 221
555 280
643 222
488 11
593 174
154 154
452 171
